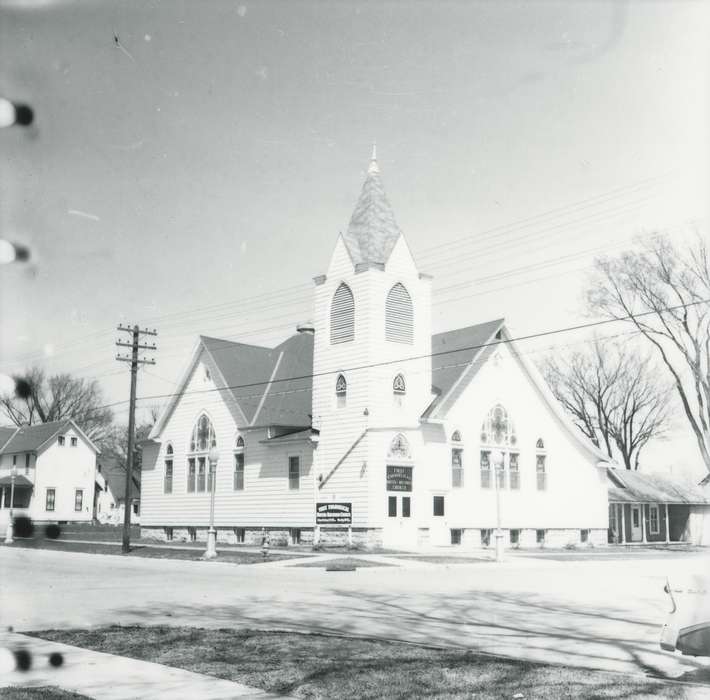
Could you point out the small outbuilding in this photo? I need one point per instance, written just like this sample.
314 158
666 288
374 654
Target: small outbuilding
654 508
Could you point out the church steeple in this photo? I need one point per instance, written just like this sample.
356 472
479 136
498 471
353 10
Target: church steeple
373 230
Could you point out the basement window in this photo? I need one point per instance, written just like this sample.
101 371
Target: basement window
540 536
456 536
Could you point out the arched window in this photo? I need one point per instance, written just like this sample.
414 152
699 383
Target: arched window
399 315
456 460
399 389
239 464
203 438
498 428
341 390
342 315
498 432
399 448
541 465
168 476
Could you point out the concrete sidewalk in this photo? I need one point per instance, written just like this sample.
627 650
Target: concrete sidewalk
109 677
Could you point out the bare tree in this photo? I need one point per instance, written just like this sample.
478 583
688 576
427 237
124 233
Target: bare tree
664 292
613 396
60 396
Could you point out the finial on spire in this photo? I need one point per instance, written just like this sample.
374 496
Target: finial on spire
373 161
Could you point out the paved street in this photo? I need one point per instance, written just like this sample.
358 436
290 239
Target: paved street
595 613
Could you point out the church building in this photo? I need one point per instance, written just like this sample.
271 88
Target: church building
363 427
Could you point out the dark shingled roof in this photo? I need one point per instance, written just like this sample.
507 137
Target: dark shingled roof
627 486
29 437
373 231
5 434
116 479
248 370
454 350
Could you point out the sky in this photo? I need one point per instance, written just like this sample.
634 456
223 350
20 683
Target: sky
193 176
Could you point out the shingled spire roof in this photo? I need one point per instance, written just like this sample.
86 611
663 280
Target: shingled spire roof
373 231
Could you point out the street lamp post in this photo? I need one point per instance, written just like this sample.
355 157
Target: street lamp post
10 525
498 464
211 551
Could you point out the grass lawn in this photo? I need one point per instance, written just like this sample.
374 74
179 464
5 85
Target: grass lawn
138 550
40 693
343 562
317 666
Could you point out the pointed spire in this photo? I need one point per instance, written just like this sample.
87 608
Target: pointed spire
374 168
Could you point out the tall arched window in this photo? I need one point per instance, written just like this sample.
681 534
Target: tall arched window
202 439
341 391
541 465
168 477
399 448
239 464
399 389
342 315
399 315
456 460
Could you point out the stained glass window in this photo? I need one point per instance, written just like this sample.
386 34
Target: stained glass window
498 428
540 444
456 436
398 385
399 447
341 385
457 467
203 436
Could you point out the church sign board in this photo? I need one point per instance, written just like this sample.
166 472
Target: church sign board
334 513
399 478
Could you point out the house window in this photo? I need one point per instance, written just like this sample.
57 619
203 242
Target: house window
14 460
612 519
73 441
541 472
514 471
342 315
294 473
406 507
584 536
392 506
341 391
78 499
239 464
27 463
515 537
49 499
61 440
540 536
399 389
191 475
239 535
136 508
438 506
456 467
485 469
653 520
168 480
456 536
399 315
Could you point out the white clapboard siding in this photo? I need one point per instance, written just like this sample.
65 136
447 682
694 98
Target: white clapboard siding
399 315
342 315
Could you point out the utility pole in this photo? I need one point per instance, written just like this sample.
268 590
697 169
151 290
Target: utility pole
135 346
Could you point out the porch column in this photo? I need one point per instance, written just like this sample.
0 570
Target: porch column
623 523
668 526
643 523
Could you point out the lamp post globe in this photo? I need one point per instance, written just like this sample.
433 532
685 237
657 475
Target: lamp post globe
498 459
212 457
9 533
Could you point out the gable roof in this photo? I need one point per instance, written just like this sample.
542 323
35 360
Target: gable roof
453 353
6 433
263 383
626 486
115 477
28 438
373 230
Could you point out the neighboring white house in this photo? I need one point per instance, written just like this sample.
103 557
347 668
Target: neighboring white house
54 465
111 493
372 420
